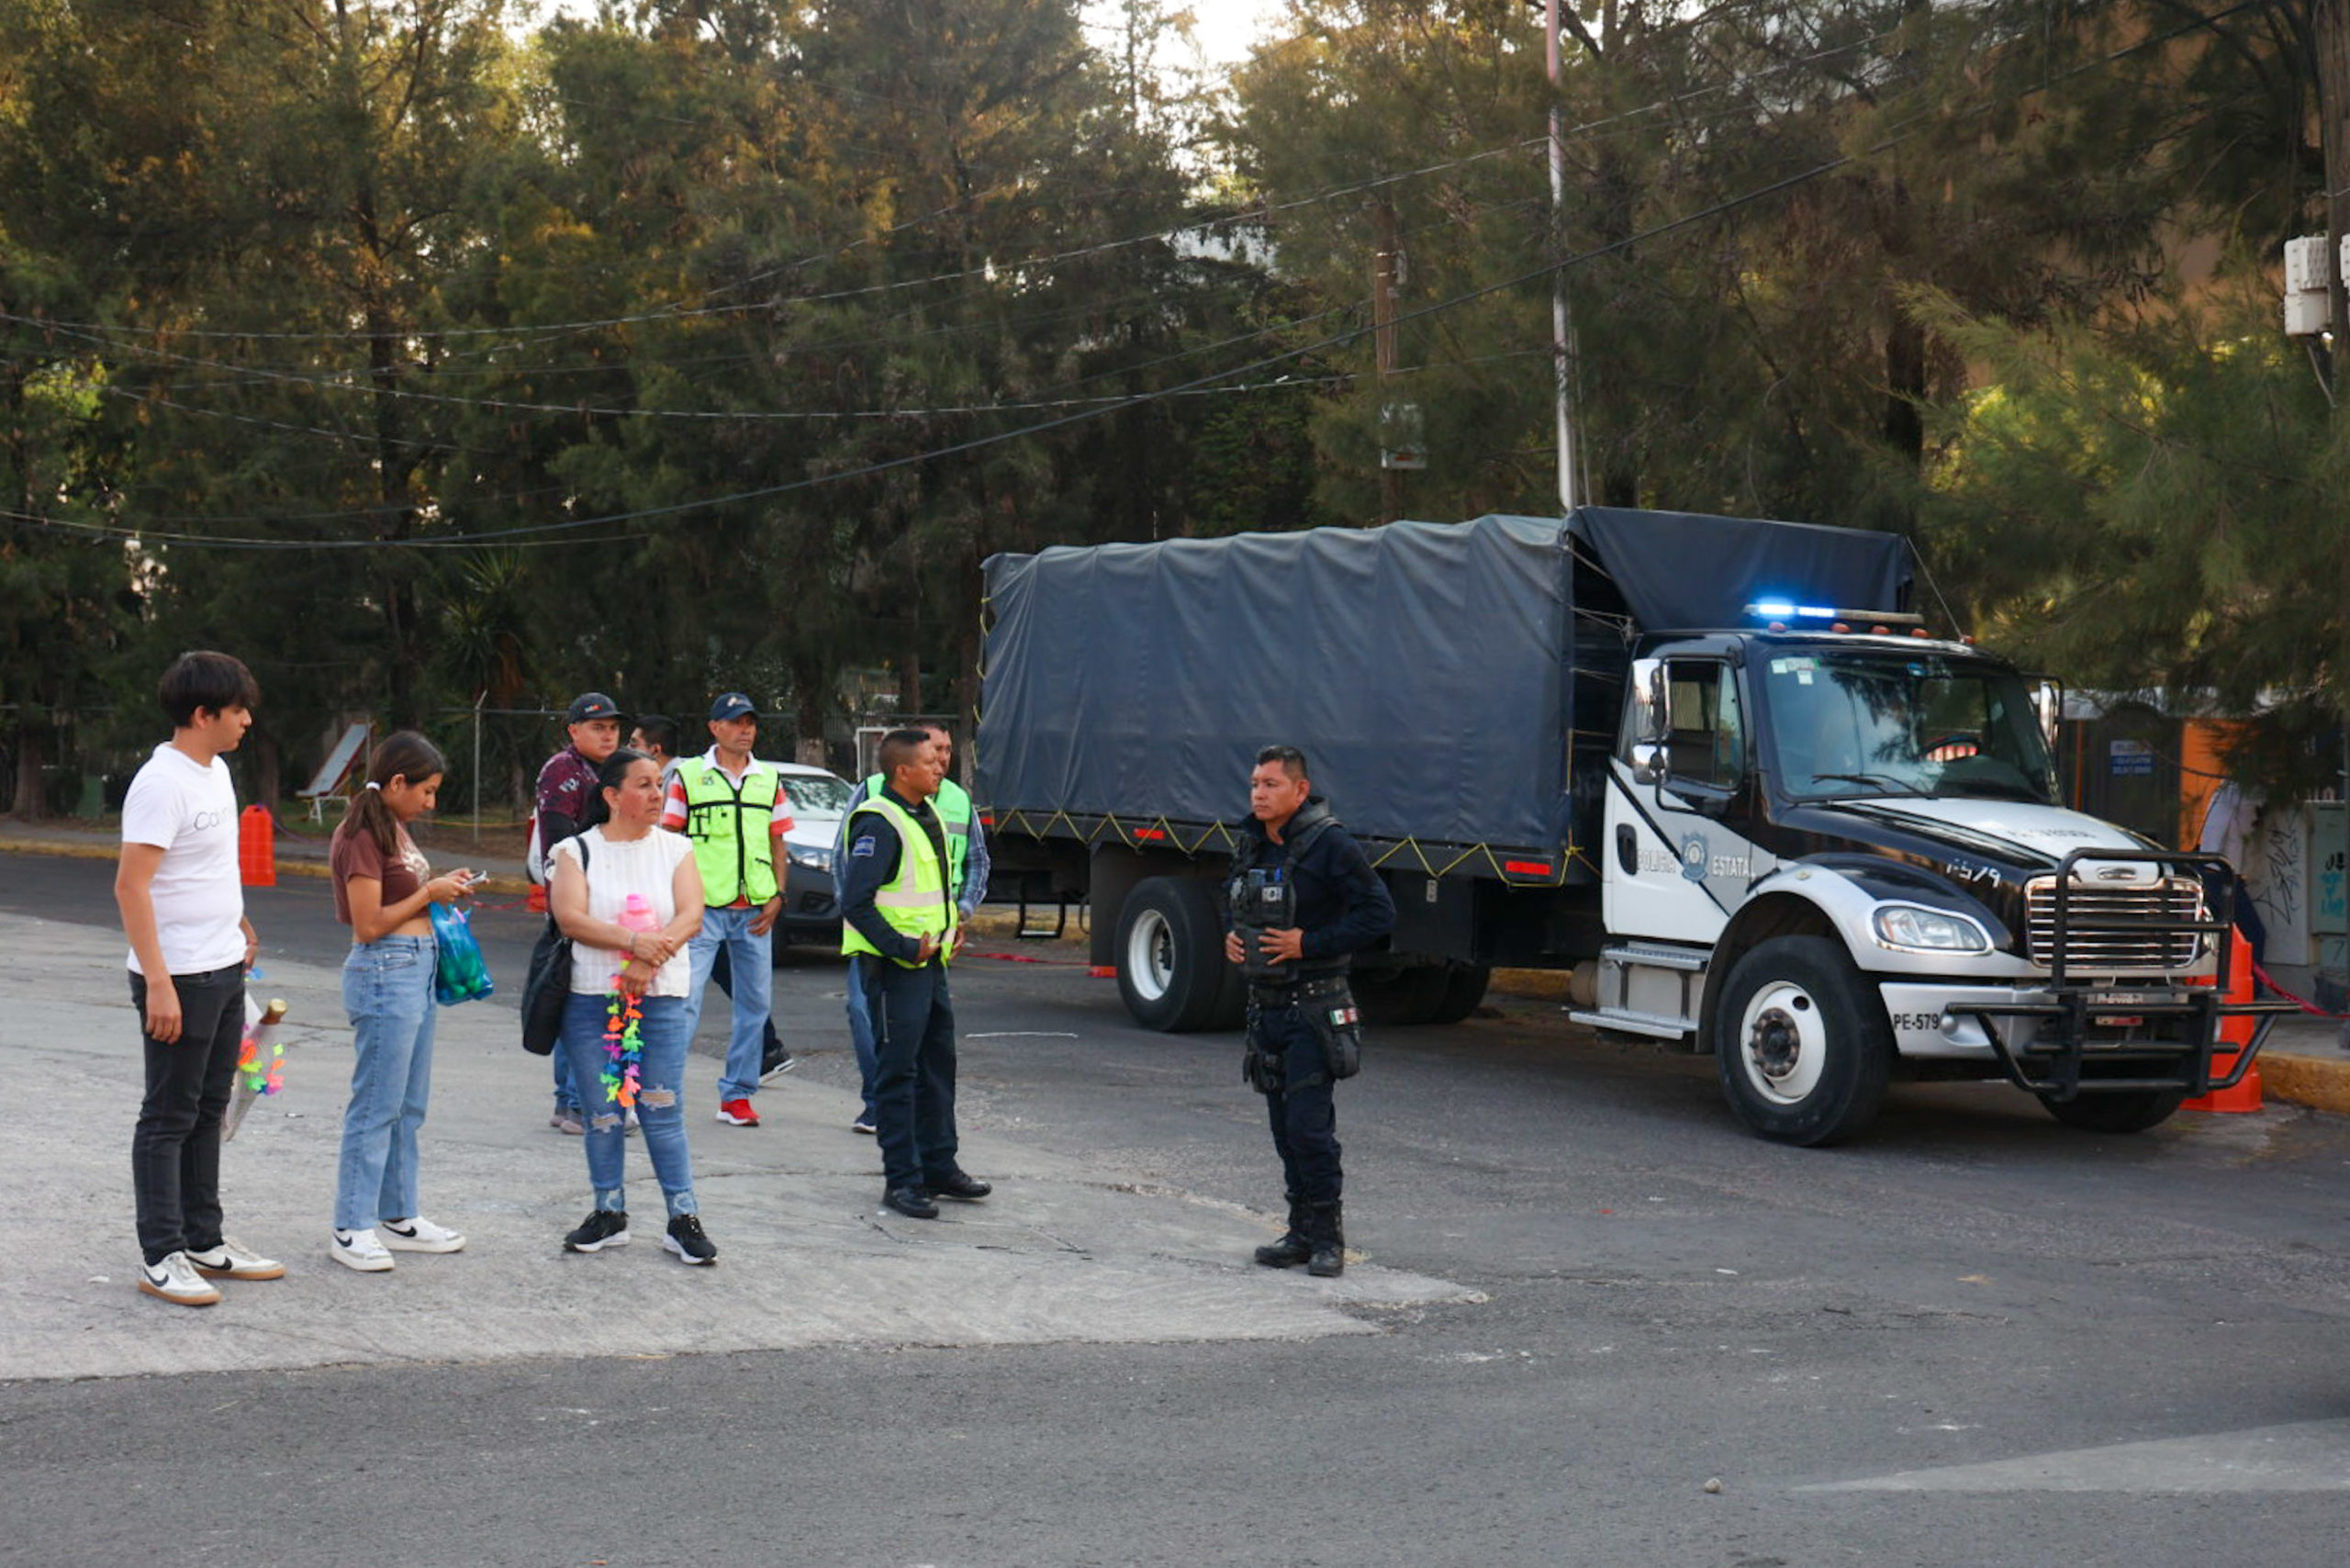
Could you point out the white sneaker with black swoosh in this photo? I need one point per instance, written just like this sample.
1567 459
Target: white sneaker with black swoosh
418 1235
175 1279
362 1250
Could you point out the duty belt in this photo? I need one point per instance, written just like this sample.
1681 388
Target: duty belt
1298 992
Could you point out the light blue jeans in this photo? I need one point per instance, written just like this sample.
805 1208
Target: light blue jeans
661 1098
752 960
860 1033
387 991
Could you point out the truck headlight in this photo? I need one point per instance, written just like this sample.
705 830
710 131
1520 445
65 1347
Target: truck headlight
1923 930
815 859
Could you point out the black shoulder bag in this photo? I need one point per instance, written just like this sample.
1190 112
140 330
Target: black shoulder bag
549 986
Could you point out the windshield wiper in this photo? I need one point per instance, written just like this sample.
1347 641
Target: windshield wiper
1900 787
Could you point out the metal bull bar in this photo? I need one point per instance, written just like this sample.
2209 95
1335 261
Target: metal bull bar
2051 1065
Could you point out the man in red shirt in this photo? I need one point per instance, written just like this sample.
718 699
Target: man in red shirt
567 793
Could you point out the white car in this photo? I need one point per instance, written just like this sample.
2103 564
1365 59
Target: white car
812 907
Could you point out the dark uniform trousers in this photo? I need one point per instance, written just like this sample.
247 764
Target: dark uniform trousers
913 1070
175 1147
1305 1121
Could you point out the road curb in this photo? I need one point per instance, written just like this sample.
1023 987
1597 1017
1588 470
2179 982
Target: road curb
2318 1082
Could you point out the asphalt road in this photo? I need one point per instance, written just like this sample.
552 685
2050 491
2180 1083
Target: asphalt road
1974 1339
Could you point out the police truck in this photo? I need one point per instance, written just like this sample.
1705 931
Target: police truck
1719 770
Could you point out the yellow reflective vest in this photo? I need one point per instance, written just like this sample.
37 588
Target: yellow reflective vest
733 846
917 901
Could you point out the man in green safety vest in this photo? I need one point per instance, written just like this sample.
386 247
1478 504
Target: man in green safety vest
898 920
733 806
967 868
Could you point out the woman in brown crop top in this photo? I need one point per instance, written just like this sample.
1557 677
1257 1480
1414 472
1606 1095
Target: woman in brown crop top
384 892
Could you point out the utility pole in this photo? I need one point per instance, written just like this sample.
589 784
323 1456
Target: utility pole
1562 329
2332 29
1382 344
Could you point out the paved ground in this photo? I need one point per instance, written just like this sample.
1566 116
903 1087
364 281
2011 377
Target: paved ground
1581 1293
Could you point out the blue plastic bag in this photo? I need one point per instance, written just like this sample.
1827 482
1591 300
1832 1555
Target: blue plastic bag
459 973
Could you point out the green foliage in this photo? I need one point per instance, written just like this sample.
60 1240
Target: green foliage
748 331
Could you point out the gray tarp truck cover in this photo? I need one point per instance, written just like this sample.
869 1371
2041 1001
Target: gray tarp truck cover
1438 676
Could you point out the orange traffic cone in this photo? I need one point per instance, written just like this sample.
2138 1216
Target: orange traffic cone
2245 1096
256 848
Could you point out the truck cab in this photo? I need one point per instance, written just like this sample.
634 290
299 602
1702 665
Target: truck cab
1831 855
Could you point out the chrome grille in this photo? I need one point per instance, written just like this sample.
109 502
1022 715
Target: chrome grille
2097 940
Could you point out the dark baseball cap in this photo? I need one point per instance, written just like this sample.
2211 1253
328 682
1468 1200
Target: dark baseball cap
592 705
733 705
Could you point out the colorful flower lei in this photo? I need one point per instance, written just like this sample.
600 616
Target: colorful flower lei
624 1045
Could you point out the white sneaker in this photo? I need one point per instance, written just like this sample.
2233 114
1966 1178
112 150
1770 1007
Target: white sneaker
361 1249
233 1261
175 1279
418 1235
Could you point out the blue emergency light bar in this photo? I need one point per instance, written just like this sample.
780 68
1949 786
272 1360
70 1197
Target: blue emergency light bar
1788 610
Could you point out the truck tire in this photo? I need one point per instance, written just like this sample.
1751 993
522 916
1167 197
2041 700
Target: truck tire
1402 998
1171 971
1464 987
2125 1111
1803 1045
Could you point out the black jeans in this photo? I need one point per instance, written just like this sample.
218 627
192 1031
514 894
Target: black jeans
175 1150
913 1070
1305 1118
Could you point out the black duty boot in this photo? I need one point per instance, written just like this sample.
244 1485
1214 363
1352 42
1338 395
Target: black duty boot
1326 1238
1291 1249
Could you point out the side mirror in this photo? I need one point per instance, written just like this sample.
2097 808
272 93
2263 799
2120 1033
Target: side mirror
1648 763
2048 701
1651 713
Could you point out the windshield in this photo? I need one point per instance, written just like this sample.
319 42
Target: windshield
1878 722
812 795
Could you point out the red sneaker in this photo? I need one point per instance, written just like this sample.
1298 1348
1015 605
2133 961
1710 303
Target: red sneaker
738 1114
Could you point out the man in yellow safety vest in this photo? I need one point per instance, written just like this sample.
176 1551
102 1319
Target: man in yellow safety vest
900 921
733 806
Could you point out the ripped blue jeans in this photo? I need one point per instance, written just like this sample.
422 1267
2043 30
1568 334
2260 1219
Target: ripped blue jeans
661 1096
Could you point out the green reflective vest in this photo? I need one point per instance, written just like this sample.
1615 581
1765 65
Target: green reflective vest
732 846
953 804
915 901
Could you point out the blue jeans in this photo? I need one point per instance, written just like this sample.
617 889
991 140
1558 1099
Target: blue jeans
567 1091
661 1098
387 991
750 960
861 1032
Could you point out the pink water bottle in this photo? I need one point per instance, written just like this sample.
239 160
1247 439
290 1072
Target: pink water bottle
635 915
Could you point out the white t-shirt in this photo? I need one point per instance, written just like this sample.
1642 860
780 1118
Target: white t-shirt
648 865
188 810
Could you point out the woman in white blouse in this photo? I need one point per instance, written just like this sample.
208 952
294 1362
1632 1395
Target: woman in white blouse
630 910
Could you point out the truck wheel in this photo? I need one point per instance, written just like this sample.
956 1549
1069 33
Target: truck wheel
1171 968
1803 1048
1402 998
2126 1111
1464 987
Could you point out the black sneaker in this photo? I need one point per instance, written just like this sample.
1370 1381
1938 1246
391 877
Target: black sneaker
687 1240
605 1227
775 1061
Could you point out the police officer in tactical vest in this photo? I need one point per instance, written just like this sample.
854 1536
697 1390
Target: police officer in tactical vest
898 912
1301 900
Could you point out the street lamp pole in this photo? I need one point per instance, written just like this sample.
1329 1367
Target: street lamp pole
1562 329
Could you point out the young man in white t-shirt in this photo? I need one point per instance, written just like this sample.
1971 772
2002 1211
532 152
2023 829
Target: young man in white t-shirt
183 911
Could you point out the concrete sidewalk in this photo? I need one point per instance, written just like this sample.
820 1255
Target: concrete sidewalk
1062 1252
